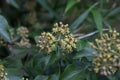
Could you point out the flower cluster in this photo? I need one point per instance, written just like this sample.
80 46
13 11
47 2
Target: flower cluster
46 42
60 36
107 61
68 43
3 74
23 33
61 28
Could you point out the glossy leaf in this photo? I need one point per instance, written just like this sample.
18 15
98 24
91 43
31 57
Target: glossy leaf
87 52
41 77
70 72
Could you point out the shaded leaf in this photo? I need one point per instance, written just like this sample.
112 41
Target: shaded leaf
81 44
70 72
41 77
87 52
53 77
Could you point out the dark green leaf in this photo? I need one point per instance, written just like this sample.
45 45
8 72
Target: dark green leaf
41 77
87 52
53 77
81 44
70 72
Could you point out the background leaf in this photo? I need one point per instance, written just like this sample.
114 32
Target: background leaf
98 19
70 4
81 18
3 29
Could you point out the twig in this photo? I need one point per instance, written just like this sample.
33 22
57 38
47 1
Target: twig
90 34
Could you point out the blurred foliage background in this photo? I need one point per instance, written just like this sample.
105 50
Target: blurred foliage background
83 17
41 14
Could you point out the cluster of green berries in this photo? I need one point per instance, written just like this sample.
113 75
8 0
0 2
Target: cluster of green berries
60 36
3 74
68 43
107 61
23 32
46 42
61 28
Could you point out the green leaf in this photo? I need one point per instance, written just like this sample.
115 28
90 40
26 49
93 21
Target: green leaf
70 72
81 18
41 77
3 29
98 20
13 3
14 78
87 52
81 44
53 77
70 4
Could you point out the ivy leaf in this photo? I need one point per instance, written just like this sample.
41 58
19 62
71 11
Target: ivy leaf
14 78
41 77
81 44
87 52
70 72
53 77
3 29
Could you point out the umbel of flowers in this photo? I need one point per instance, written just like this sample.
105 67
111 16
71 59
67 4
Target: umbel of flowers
3 74
23 33
107 61
60 36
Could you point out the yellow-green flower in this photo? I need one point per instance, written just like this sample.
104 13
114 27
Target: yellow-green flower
46 42
108 59
3 74
60 28
22 31
68 43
